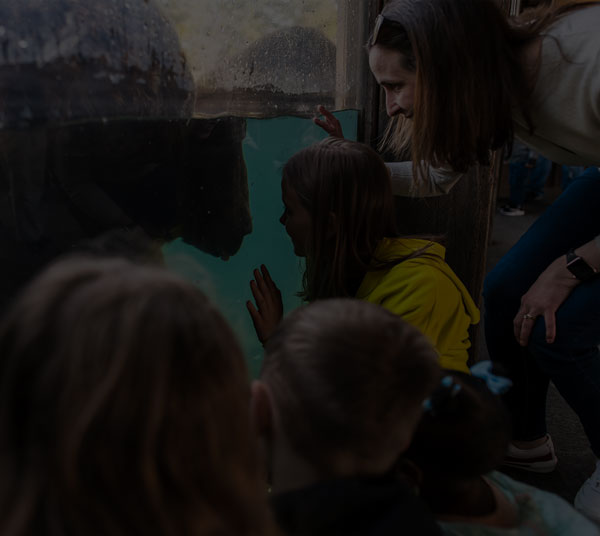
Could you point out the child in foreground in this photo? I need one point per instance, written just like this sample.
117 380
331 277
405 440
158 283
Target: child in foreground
124 410
340 216
340 392
461 439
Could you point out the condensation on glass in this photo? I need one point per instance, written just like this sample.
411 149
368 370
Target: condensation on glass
272 57
125 125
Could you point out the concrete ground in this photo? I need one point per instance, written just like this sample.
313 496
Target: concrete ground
576 461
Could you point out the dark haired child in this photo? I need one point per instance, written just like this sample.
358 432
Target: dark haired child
459 442
340 216
339 395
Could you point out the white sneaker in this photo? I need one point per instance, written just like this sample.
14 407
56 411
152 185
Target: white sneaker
540 459
508 210
587 500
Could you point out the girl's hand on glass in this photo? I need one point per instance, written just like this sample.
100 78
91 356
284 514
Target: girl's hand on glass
329 123
268 311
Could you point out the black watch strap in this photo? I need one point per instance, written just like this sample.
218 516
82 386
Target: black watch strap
578 267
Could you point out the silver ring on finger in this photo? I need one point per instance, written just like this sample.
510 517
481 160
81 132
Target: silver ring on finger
527 316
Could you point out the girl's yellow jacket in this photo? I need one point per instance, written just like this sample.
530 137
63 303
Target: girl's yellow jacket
426 293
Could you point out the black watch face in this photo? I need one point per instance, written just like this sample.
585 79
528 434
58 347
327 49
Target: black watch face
580 269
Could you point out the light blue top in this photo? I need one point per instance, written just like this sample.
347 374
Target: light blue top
537 513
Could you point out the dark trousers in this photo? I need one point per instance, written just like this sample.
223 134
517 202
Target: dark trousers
572 362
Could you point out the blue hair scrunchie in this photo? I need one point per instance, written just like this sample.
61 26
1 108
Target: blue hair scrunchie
447 390
496 384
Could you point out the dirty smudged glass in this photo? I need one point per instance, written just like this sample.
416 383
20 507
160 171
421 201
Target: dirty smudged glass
272 57
126 128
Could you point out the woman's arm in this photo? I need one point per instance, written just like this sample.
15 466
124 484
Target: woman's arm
329 123
439 181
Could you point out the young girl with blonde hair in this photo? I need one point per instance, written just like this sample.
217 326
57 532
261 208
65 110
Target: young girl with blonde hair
124 410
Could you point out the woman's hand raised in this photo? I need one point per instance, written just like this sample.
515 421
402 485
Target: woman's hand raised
329 123
268 311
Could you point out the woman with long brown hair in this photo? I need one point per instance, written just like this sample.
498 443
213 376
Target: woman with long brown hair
463 80
124 401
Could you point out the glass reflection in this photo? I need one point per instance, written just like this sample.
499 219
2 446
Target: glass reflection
121 186
66 60
98 147
102 150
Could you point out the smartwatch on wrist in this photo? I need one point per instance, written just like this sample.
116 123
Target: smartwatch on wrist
578 267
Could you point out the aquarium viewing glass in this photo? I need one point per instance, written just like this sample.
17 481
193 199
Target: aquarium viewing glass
158 130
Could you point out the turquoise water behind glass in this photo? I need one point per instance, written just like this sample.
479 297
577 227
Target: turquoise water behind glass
269 143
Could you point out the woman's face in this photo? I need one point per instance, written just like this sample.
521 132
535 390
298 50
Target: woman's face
296 219
398 83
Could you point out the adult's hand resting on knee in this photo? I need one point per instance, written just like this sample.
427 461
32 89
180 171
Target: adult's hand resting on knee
546 295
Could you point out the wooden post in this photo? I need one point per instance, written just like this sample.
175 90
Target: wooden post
369 126
511 7
355 85
352 31
463 220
